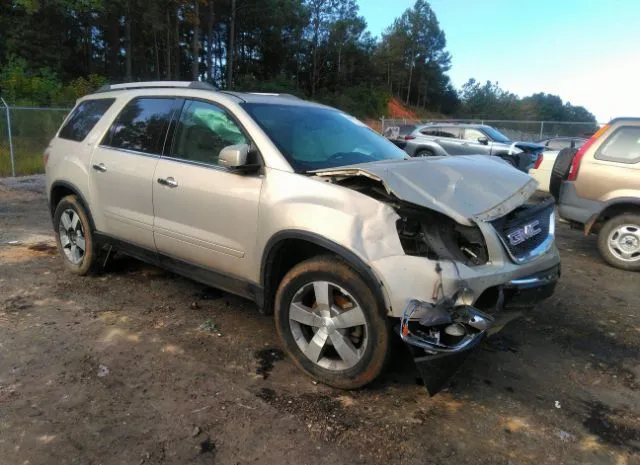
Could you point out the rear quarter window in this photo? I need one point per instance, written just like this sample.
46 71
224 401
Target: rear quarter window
83 118
623 146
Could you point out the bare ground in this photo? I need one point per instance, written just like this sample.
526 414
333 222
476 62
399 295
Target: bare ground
138 365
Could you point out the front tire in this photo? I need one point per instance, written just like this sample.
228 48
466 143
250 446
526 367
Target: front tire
619 241
74 236
330 324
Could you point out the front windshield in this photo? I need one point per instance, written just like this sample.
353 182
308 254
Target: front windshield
313 138
496 135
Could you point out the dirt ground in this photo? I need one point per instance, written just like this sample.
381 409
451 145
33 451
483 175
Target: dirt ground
140 366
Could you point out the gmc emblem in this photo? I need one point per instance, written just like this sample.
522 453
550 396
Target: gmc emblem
518 236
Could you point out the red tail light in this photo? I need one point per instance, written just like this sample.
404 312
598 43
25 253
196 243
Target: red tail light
409 137
575 164
538 161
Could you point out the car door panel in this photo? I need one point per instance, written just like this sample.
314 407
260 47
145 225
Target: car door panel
124 194
449 140
209 215
122 169
470 144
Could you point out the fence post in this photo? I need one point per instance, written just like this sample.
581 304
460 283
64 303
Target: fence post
13 162
382 125
541 130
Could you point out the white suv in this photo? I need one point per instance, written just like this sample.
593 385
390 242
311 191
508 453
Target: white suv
306 211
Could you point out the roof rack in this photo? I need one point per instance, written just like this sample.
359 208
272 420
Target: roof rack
274 94
157 85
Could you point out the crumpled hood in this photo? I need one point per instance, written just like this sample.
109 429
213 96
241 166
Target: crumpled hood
465 188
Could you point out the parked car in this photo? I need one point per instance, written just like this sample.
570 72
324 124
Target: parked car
598 190
307 212
398 134
470 139
555 144
541 170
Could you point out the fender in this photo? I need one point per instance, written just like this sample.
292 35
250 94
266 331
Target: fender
348 256
618 202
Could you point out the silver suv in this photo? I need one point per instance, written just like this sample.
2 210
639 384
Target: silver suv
470 139
307 212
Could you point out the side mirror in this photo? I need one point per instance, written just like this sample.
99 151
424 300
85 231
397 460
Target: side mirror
483 140
234 156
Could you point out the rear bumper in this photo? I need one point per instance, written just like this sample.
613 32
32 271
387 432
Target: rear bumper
572 207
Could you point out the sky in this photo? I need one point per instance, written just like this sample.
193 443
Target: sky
585 51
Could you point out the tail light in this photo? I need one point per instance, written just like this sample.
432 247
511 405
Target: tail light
575 164
409 137
45 157
538 161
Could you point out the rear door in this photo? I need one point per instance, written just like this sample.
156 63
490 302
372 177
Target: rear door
122 168
448 137
205 214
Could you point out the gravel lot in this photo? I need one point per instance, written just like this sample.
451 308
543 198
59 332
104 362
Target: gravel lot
140 366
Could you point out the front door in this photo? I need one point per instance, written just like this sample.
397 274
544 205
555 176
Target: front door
205 214
122 168
471 144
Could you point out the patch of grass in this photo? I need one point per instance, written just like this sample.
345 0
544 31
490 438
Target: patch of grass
209 325
28 158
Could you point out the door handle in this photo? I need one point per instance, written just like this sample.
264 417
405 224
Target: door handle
100 167
169 182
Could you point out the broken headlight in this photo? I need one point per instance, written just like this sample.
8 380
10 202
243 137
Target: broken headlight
436 236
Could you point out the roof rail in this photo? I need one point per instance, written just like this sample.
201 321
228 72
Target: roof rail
274 94
157 85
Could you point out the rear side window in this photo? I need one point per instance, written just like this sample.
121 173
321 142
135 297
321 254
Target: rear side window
623 146
142 125
83 118
453 133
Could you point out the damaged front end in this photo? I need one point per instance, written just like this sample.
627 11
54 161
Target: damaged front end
444 335
469 244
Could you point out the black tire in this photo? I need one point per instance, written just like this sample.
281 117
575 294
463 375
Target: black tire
609 227
425 153
375 344
560 171
88 259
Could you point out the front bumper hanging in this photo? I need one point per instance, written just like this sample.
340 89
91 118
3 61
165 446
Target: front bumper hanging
442 339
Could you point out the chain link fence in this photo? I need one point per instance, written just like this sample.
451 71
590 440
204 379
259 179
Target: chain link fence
25 133
514 130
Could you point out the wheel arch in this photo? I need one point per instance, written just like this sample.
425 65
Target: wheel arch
286 249
59 190
610 210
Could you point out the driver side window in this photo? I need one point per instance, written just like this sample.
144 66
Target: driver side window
473 135
203 130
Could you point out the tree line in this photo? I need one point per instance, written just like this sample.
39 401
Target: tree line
53 51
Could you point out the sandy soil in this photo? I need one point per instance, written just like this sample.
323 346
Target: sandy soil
140 366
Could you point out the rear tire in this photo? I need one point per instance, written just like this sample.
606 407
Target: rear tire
330 324
560 171
74 236
425 153
619 241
